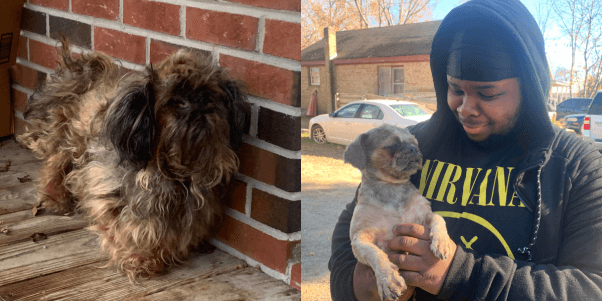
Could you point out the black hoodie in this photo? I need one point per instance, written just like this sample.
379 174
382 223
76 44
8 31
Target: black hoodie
525 212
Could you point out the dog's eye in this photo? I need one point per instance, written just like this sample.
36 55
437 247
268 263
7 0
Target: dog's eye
393 147
178 103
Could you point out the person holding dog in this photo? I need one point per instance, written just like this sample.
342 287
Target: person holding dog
522 199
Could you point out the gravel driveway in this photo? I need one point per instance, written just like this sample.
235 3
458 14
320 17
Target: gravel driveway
327 186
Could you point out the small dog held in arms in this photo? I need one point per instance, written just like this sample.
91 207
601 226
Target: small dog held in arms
146 157
387 156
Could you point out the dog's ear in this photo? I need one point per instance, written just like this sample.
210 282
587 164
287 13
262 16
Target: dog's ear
130 124
356 153
239 114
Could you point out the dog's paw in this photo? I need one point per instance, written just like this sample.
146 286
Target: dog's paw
441 245
51 206
137 267
390 284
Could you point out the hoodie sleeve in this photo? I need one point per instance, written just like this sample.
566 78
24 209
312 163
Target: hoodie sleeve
342 261
576 271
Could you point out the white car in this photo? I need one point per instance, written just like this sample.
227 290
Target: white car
355 118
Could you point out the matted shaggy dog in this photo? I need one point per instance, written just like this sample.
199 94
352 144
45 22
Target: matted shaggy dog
146 157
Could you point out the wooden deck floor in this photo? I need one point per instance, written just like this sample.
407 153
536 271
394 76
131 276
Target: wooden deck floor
66 264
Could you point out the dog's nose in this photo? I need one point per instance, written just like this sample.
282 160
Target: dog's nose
412 150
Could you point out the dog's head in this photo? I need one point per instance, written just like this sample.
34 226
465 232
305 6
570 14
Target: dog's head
388 152
186 115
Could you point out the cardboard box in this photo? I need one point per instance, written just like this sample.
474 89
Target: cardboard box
10 28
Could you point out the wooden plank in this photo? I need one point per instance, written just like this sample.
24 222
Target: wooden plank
10 150
15 217
90 283
59 252
49 224
247 284
16 171
17 197
14 195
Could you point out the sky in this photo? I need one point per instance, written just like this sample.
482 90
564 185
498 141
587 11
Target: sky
559 54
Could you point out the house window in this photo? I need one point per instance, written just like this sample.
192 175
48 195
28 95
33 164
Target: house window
314 76
390 80
397 80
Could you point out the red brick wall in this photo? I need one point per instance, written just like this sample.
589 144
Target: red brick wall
257 40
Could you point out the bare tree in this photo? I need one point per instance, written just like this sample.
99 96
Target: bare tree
571 24
361 13
410 11
544 18
590 40
393 12
355 14
317 14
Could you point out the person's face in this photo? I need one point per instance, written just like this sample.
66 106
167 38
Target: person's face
484 108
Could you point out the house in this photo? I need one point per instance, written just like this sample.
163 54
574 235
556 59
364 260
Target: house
383 61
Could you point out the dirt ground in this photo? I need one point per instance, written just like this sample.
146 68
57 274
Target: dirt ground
328 184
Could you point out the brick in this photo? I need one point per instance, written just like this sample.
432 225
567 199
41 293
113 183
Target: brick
266 81
78 33
156 16
58 4
120 44
276 212
282 39
159 50
26 77
22 50
279 129
270 168
33 21
19 101
262 247
292 5
20 126
296 276
236 196
43 54
227 29
106 9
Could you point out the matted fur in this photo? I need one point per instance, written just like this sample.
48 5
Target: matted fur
146 156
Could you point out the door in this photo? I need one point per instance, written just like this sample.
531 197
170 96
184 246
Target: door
384 81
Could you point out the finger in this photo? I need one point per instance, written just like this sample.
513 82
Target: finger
414 230
409 244
412 278
407 262
426 281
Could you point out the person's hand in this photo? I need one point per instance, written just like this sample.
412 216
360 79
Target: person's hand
364 285
420 268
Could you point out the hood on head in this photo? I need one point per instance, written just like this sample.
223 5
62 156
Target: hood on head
511 22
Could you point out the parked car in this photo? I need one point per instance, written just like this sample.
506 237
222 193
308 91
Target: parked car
592 123
574 122
355 118
572 106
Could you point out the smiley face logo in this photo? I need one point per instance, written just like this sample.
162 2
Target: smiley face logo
481 221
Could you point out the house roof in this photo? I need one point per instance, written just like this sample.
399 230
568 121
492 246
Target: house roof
390 41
